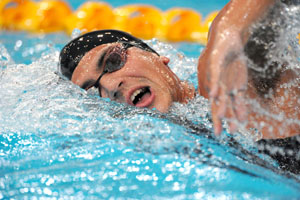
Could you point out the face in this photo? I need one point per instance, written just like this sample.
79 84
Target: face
145 80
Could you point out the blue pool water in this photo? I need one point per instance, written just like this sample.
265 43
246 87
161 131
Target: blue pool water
60 142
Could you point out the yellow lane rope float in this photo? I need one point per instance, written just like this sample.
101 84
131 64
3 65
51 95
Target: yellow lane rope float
144 21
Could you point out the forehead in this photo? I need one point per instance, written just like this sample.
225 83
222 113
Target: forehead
87 69
91 55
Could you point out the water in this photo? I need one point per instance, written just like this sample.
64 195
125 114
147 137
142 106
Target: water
276 35
58 141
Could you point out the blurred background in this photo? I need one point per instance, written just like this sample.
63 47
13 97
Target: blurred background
183 23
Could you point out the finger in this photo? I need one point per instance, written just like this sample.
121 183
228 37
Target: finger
218 62
205 88
216 120
222 106
236 88
214 74
230 115
204 73
239 110
214 90
240 107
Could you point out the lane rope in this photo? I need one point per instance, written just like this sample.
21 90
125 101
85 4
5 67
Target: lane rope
141 20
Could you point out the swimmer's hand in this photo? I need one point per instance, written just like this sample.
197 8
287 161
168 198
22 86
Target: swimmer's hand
222 70
222 76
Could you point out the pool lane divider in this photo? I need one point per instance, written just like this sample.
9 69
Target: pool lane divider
143 21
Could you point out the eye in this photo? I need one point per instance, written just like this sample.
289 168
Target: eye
114 62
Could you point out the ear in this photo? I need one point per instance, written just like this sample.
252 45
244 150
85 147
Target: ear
164 59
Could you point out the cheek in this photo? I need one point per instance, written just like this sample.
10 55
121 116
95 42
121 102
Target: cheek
162 104
162 74
157 71
78 78
151 68
163 99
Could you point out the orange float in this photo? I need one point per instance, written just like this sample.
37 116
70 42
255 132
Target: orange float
51 14
143 21
140 20
180 24
91 16
201 33
3 4
19 15
27 15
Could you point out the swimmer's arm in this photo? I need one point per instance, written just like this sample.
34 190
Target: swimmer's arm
222 73
238 16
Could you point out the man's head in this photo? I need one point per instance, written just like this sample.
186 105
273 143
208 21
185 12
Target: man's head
123 68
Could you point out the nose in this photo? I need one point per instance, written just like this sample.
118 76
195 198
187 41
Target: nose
111 87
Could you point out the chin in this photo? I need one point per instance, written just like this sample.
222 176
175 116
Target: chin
162 108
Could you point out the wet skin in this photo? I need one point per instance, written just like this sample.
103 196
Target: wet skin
224 78
144 81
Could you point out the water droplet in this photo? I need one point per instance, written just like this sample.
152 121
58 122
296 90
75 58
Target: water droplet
75 33
3 58
18 45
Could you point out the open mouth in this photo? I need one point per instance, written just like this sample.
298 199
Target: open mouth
141 97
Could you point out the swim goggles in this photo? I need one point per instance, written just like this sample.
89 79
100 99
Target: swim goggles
112 60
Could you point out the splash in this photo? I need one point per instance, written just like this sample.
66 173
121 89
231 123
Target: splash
58 140
274 52
5 58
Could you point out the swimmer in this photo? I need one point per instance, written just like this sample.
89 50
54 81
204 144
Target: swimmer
127 70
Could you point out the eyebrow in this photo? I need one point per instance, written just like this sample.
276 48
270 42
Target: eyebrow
90 82
100 62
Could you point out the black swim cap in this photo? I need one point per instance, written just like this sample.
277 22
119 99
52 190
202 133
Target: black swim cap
73 52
